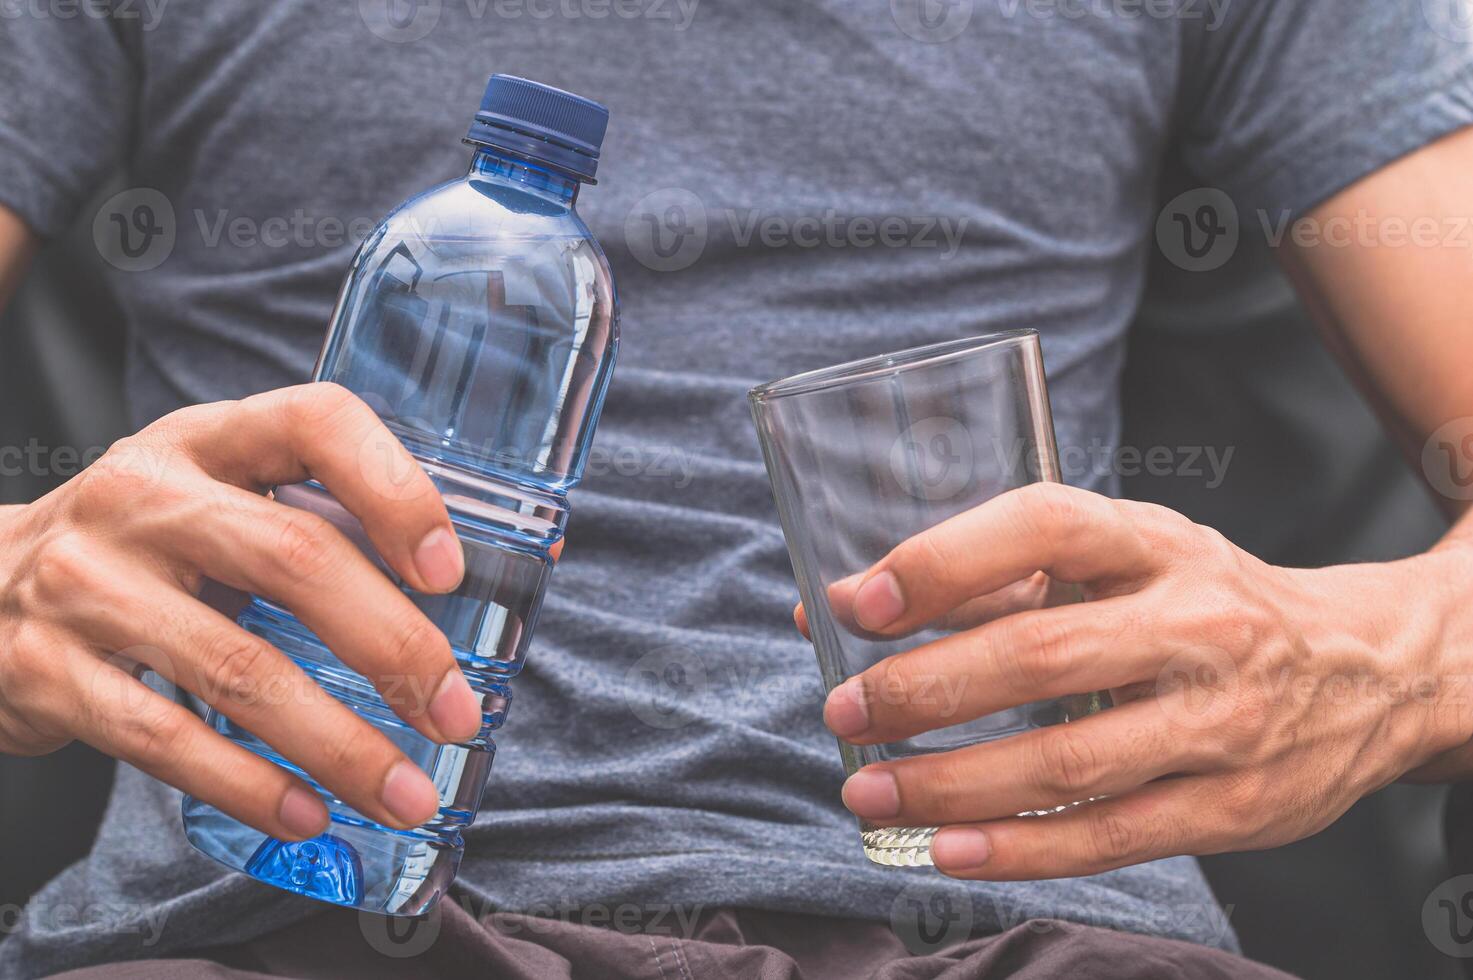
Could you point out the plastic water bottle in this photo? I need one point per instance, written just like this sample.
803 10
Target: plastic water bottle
479 320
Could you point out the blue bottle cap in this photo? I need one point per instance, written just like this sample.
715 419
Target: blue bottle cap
545 124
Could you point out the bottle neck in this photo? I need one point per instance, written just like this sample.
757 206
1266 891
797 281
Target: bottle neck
503 168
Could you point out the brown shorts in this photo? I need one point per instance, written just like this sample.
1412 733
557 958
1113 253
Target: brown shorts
713 945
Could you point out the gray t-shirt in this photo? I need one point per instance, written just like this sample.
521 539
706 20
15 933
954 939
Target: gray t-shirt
785 185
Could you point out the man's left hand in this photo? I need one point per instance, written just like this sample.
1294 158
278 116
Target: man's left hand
1254 704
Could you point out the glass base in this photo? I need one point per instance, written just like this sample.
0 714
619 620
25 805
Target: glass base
910 847
899 847
355 864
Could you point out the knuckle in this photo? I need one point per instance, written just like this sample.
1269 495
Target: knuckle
418 646
1242 798
65 567
34 689
1226 622
1249 717
945 794
1181 540
23 739
177 428
1246 626
1214 544
322 405
891 689
127 471
26 662
1068 766
1155 519
151 730
926 558
1031 653
1113 838
304 545
1052 509
345 754
233 666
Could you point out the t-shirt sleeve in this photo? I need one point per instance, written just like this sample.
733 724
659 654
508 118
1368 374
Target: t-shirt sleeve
1288 102
67 111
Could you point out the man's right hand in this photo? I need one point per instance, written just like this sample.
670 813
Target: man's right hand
103 575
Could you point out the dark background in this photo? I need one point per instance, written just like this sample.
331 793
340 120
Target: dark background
1312 481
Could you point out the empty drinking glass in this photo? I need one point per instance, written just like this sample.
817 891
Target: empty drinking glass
865 455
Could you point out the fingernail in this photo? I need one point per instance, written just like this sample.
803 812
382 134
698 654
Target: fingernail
455 709
872 794
302 813
958 849
440 561
409 795
878 603
846 711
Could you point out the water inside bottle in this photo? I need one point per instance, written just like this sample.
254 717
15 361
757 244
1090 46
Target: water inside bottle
479 322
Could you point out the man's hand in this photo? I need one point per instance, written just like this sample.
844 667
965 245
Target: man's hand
101 578
1255 704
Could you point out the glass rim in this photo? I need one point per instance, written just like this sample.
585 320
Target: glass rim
886 365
